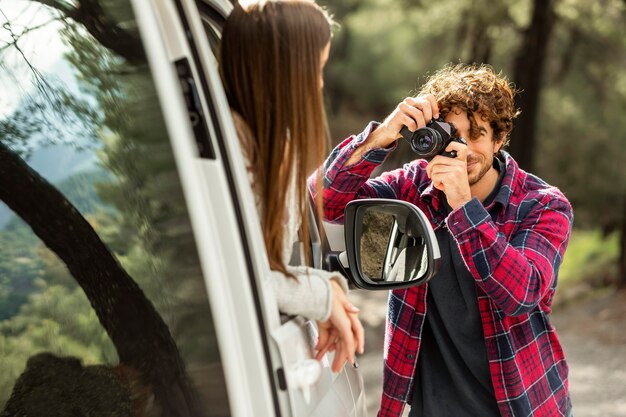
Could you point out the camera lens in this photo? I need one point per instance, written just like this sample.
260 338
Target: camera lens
429 140
426 142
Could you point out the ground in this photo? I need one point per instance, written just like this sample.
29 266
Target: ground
591 330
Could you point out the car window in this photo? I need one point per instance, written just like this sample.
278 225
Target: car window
103 307
213 22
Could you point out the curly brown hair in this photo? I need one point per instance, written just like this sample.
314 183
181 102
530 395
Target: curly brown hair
475 89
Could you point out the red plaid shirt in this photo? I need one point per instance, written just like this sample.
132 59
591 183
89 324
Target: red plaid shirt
513 249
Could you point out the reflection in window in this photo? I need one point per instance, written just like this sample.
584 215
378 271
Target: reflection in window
103 310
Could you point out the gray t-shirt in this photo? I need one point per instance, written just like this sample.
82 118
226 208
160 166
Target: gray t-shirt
452 376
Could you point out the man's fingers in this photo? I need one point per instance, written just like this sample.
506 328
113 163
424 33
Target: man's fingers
433 104
415 111
460 162
407 121
449 167
428 104
423 105
461 150
412 112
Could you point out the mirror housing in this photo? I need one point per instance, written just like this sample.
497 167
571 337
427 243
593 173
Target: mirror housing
390 244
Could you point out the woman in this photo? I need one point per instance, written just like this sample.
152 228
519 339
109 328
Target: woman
272 57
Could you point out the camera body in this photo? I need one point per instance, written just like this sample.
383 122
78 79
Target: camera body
432 140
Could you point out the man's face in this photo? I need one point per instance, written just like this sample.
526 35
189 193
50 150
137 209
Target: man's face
480 149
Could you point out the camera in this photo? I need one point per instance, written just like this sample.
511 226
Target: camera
432 139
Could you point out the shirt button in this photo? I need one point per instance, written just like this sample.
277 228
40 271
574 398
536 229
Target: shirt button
409 356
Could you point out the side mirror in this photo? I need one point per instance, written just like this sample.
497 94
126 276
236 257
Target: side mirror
390 244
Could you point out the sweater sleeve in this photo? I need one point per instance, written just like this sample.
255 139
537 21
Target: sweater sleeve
309 294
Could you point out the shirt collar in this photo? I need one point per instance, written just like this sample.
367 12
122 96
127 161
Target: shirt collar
511 170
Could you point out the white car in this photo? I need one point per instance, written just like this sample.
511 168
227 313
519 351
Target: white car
133 273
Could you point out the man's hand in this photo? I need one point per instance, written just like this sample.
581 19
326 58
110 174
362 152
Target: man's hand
412 112
450 175
342 332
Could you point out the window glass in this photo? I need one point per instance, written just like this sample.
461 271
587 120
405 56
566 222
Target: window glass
103 308
212 23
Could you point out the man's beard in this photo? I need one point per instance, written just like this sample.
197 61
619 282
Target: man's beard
485 166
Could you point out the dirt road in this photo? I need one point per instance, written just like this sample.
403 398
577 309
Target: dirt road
593 334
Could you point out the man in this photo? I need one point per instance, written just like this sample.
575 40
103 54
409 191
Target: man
475 340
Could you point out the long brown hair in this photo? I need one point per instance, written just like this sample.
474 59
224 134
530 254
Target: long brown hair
270 65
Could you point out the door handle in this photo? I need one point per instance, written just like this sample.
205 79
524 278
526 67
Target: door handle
303 375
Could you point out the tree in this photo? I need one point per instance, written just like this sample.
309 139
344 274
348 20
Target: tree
99 21
529 64
121 306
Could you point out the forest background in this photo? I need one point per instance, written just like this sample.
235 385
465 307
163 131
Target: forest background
565 57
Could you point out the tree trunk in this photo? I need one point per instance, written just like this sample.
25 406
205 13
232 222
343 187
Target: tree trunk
102 27
567 57
141 337
480 47
528 73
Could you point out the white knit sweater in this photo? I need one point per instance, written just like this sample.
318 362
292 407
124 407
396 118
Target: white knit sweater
309 294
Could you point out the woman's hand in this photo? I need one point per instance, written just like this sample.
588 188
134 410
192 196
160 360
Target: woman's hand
342 332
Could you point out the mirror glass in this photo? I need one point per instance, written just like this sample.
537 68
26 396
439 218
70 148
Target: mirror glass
391 245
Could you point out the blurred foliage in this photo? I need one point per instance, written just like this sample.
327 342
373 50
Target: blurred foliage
19 268
589 255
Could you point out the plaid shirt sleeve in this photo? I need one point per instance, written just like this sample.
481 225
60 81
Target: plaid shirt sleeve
517 273
343 183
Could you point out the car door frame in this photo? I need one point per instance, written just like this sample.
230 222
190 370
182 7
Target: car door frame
255 360
220 204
